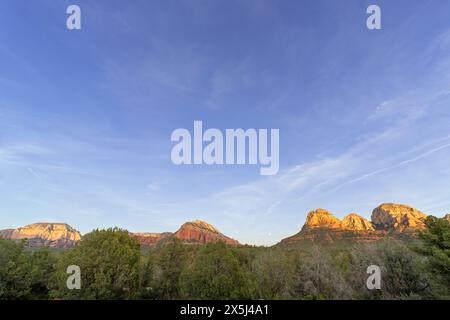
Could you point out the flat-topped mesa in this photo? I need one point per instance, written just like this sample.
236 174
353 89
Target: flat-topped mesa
201 232
397 217
357 223
321 218
45 234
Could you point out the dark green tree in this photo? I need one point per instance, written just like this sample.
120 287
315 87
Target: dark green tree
273 273
216 274
401 276
15 271
436 248
171 260
43 263
316 277
109 263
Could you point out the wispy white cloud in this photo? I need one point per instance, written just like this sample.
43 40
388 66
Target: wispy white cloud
35 174
400 137
394 166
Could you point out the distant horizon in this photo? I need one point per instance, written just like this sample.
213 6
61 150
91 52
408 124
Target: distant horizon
218 227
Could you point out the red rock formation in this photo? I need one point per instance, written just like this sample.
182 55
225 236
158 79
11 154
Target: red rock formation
394 221
357 223
61 235
52 235
6 233
324 236
195 232
149 239
321 218
200 232
397 217
322 227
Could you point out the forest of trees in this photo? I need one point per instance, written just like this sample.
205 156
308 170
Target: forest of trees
113 266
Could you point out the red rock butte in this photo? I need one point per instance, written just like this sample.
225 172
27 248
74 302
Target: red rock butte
195 232
389 220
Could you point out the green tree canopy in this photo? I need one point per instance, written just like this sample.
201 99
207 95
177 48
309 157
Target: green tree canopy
109 264
436 247
216 274
15 271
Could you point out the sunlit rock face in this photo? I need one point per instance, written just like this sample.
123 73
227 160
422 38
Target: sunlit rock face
321 218
357 223
323 227
397 217
195 232
447 217
389 221
52 235
201 232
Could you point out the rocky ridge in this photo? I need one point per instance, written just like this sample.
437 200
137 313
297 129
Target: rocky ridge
389 220
150 238
44 234
201 232
61 235
194 232
397 217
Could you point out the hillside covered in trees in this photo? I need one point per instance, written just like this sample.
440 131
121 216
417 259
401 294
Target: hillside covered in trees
114 266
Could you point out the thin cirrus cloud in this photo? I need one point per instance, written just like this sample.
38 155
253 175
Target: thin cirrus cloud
407 139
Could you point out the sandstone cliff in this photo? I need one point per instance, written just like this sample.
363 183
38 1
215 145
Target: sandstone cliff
61 235
397 217
356 222
389 221
195 232
53 235
323 227
201 232
321 218
395 221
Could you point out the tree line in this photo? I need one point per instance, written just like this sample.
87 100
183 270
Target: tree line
113 266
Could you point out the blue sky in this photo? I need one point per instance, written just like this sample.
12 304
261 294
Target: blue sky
86 116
